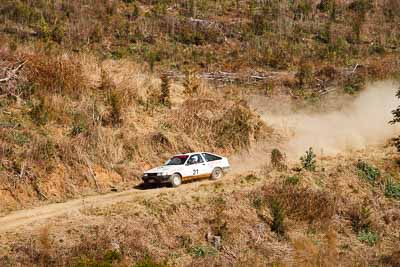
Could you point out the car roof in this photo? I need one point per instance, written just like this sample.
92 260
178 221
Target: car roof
192 153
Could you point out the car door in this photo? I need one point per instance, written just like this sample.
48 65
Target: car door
196 169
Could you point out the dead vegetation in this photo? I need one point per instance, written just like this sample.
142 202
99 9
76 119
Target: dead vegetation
94 92
266 221
85 126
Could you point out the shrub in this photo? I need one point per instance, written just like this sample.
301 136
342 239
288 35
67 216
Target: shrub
257 202
277 159
106 83
152 57
78 128
278 217
361 6
115 102
302 8
326 5
308 161
376 48
302 203
203 251
191 83
392 189
367 172
396 119
360 218
40 111
56 75
354 83
109 259
114 99
235 129
165 90
304 74
292 180
368 237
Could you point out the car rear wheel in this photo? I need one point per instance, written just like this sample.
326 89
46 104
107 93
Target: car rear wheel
217 174
176 180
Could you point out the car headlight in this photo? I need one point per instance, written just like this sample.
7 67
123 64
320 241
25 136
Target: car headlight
146 174
162 173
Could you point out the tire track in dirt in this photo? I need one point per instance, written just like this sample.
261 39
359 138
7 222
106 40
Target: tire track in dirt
43 214
26 217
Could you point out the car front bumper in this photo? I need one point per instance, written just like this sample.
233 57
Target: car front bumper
156 179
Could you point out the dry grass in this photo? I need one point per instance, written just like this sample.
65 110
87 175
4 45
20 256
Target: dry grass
224 124
179 228
109 116
56 74
302 202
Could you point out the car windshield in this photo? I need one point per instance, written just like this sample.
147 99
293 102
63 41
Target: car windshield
177 160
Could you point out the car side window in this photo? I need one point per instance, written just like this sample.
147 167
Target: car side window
210 157
195 159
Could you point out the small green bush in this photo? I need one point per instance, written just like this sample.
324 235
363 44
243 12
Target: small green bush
112 256
354 83
203 251
308 161
368 237
258 202
376 48
278 217
292 180
368 172
392 189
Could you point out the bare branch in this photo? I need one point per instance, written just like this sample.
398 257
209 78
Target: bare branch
13 72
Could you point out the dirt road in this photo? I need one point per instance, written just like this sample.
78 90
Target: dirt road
41 215
27 217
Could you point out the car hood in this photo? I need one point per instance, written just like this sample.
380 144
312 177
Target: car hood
165 168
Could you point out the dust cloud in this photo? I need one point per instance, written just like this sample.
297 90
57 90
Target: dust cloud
347 125
337 124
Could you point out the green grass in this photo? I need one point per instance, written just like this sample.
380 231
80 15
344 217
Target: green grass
368 172
368 237
392 189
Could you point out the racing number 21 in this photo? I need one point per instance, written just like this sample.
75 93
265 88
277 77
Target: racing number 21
195 172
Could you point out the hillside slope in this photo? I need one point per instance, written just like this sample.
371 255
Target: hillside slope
333 216
94 92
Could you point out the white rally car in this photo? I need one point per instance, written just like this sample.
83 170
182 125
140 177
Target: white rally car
187 167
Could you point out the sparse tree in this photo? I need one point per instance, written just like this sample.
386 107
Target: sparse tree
305 74
191 83
165 90
396 119
308 161
277 159
106 83
278 217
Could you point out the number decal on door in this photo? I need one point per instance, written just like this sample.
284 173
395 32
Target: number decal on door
195 172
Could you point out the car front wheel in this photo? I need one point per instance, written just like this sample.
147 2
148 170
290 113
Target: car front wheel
176 180
217 174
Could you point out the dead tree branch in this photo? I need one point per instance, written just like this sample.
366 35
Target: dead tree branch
13 72
92 174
